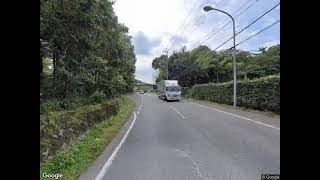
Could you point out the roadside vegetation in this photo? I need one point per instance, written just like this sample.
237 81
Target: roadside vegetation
207 75
87 64
260 94
83 50
203 65
73 160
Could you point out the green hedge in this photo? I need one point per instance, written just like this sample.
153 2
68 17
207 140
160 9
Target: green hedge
184 91
260 94
59 128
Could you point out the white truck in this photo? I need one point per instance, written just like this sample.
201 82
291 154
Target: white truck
169 90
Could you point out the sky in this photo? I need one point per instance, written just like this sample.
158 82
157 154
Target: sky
156 25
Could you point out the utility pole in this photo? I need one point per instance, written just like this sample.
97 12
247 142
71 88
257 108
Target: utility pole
166 51
153 77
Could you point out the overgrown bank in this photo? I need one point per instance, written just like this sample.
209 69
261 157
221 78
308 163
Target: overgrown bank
261 94
104 121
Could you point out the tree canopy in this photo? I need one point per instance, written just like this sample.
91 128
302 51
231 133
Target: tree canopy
88 48
202 65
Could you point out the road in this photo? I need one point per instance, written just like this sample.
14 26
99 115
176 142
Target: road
182 140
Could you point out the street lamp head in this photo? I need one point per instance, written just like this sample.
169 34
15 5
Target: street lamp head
208 8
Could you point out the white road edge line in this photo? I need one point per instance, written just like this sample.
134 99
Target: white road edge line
177 111
114 153
238 116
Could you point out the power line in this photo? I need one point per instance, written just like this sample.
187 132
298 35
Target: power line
239 32
183 24
175 44
193 65
248 25
248 38
222 27
178 44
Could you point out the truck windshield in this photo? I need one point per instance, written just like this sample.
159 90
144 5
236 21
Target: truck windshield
173 88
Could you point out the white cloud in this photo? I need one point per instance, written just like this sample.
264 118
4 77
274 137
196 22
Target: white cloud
160 20
271 43
144 69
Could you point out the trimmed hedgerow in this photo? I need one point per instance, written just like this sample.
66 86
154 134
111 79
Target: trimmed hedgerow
184 91
260 94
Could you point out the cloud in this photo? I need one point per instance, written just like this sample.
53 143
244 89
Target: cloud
143 44
271 43
144 69
155 24
178 38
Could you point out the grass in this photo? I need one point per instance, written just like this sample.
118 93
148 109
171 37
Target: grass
230 107
72 162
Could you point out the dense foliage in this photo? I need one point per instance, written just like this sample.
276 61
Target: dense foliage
58 128
68 103
83 49
202 65
86 57
262 93
74 160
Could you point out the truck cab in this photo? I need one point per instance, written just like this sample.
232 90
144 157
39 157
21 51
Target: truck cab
173 93
169 90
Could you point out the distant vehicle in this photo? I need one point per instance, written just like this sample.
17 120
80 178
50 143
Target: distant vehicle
142 92
169 90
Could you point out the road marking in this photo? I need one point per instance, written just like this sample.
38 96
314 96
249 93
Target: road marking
114 153
184 154
177 111
141 100
138 112
237 116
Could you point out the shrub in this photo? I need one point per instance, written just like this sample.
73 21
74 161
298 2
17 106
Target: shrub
68 103
59 128
260 94
184 91
97 97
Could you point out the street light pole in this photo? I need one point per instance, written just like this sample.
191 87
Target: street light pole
209 8
234 65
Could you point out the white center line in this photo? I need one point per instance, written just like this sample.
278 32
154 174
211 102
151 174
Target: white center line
177 111
237 116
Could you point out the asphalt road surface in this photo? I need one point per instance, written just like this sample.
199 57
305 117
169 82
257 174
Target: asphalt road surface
182 140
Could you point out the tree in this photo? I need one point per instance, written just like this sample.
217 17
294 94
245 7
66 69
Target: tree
90 50
202 65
